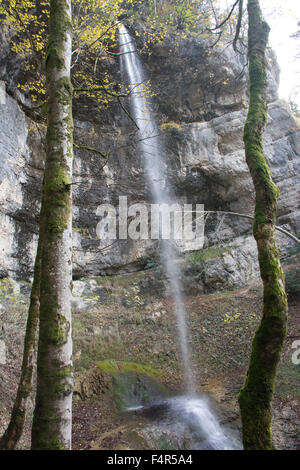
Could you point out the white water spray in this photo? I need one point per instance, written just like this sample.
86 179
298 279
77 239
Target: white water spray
196 413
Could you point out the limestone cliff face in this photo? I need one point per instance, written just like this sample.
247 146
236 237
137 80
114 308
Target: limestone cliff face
195 82
202 122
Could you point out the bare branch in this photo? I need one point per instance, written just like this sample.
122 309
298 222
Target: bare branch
238 26
293 237
91 149
227 18
127 113
100 88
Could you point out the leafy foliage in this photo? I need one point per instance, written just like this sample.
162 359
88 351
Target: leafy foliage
94 37
178 15
94 33
27 22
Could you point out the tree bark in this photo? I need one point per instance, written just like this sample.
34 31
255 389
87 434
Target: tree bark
53 409
13 433
256 395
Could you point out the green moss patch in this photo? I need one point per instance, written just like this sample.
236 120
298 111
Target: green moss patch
206 254
115 367
133 384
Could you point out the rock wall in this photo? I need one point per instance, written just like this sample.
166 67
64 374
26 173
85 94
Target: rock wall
201 127
195 82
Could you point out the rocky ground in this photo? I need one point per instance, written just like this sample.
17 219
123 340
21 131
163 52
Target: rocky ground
128 319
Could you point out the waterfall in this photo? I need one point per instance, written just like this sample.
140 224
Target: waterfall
153 159
188 411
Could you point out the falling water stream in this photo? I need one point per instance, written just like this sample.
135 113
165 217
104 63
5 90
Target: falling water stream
189 408
152 155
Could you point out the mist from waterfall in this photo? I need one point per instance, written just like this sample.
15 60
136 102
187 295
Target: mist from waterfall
153 159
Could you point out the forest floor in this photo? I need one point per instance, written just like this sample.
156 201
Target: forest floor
221 328
121 320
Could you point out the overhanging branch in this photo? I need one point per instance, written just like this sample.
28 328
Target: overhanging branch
290 235
91 149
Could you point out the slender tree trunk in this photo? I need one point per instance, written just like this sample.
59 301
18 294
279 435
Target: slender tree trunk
256 396
53 410
14 430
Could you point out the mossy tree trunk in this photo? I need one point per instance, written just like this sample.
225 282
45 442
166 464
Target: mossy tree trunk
13 433
53 409
256 395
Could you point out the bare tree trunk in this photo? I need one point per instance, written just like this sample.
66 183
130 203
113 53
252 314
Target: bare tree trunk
53 410
256 396
14 430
